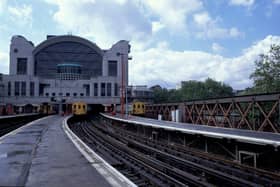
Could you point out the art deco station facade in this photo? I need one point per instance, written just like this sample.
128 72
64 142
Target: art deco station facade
66 67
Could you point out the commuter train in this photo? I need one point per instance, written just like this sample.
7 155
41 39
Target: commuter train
138 108
79 108
46 108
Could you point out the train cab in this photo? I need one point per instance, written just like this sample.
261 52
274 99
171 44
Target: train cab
138 108
79 108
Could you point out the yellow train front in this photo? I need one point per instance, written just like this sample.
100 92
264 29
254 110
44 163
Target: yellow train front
79 108
138 108
46 109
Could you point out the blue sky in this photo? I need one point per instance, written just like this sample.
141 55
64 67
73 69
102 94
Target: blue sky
171 40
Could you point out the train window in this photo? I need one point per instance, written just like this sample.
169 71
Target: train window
81 94
53 94
143 106
47 94
74 94
74 106
138 106
60 94
67 94
79 106
84 107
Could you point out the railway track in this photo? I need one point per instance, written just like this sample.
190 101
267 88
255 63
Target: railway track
149 163
247 173
9 124
140 168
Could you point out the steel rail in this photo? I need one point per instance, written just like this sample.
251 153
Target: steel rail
147 162
188 162
210 160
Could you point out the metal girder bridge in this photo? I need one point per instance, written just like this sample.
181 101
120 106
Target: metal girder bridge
259 112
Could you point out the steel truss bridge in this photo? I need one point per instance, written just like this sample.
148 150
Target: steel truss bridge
259 112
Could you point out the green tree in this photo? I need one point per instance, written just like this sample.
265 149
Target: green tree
174 96
160 95
203 90
192 90
217 89
267 73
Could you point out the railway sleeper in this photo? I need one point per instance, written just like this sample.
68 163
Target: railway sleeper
225 177
233 170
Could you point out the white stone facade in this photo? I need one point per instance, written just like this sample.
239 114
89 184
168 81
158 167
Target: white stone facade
28 88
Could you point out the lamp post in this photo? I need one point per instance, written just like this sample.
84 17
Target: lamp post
123 87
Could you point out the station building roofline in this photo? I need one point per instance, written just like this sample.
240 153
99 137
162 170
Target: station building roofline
66 38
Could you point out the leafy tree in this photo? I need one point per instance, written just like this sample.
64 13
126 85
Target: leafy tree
192 90
160 94
203 90
174 96
267 73
217 89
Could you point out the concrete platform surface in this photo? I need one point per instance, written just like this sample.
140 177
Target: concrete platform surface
42 155
241 135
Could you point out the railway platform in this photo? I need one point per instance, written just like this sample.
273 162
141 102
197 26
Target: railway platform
253 148
41 154
247 136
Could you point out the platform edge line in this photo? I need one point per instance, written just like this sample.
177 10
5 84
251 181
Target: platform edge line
108 167
22 127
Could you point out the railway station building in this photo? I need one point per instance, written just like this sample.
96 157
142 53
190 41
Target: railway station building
64 69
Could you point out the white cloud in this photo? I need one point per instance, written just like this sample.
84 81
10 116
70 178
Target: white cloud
21 15
103 21
276 1
242 2
2 5
207 27
4 62
107 21
161 64
202 19
157 26
217 48
234 32
136 20
173 14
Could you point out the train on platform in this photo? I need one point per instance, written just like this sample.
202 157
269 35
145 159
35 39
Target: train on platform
47 109
79 108
138 108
